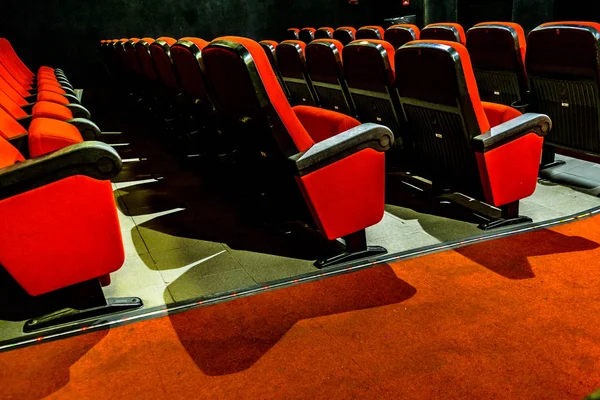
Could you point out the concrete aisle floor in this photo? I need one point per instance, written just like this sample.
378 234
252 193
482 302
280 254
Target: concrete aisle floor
183 241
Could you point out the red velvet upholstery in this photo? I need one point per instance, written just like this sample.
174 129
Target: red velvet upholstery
504 180
344 197
4 74
9 155
400 34
163 64
291 62
415 29
12 93
48 135
339 46
370 32
307 35
389 50
324 32
49 82
518 29
11 107
46 109
443 31
301 138
188 69
507 173
52 243
594 25
169 40
14 64
9 127
293 34
322 124
498 113
50 88
348 195
345 34
52 97
484 125
145 58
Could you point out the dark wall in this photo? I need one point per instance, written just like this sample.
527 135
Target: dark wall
67 32
70 30
531 13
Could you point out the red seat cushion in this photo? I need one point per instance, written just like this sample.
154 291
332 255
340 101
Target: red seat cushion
322 124
48 81
498 113
57 238
9 155
48 135
47 109
52 97
50 88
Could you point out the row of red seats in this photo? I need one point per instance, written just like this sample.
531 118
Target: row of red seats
466 146
552 71
57 209
396 35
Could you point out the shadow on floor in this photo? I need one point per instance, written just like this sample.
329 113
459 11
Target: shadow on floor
221 224
38 371
230 337
509 257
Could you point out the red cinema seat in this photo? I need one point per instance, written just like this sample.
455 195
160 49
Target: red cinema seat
370 32
121 59
18 69
42 134
187 55
142 49
47 103
160 50
134 65
65 237
369 72
307 35
563 64
51 85
345 34
497 51
269 47
292 66
400 34
338 164
293 34
444 31
324 33
324 62
487 151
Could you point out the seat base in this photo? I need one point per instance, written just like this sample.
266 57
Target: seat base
76 305
552 164
370 251
549 159
356 249
68 316
503 222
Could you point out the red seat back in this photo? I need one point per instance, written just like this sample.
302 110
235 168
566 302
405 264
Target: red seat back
370 32
449 31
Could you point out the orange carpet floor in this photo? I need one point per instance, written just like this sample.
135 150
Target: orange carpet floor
516 318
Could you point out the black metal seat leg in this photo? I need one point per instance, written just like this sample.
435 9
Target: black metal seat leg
356 249
80 304
549 158
509 216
